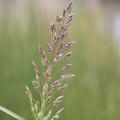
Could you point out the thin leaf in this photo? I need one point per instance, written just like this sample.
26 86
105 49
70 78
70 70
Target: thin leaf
14 115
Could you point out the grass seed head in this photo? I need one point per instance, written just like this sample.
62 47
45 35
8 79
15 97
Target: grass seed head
57 53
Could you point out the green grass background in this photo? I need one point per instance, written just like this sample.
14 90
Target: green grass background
94 94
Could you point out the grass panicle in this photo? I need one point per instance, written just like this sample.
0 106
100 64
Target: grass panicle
59 50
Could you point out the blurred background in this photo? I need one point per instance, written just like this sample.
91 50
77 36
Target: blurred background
94 94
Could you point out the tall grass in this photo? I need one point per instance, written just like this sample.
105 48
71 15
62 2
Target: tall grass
94 94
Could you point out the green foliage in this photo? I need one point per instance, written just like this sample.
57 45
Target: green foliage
93 95
14 115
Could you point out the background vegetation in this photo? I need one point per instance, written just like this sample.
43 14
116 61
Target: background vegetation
94 94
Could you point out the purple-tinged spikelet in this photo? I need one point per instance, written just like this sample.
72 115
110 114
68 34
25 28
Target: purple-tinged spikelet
52 28
55 84
48 73
60 48
59 19
67 67
69 45
69 7
44 59
50 49
58 58
66 57
64 13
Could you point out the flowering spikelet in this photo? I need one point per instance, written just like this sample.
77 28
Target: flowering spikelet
36 82
49 48
48 73
66 67
48 116
58 50
68 76
56 116
58 58
44 59
57 101
45 88
69 8
52 28
67 55
62 88
48 99
69 20
55 84
33 103
55 40
68 45
59 19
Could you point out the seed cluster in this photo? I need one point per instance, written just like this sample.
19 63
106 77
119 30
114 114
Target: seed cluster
58 50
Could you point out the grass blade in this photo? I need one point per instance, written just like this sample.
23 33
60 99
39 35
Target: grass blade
14 115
